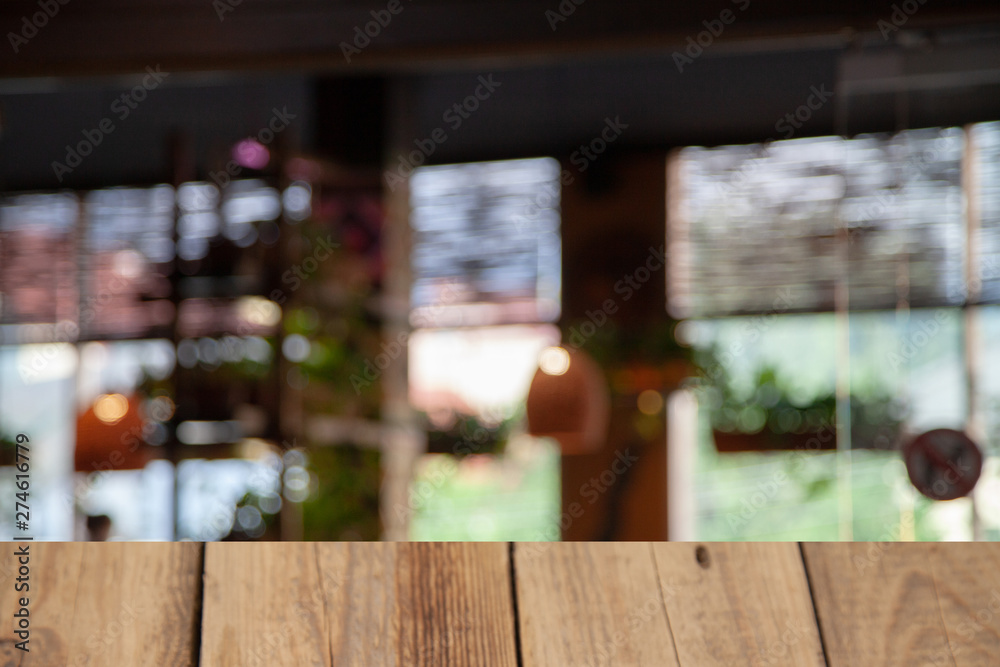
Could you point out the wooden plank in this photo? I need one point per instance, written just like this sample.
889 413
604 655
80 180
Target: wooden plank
357 604
585 603
104 604
739 604
907 603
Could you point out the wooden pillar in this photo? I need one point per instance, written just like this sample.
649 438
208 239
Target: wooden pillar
613 219
402 442
974 425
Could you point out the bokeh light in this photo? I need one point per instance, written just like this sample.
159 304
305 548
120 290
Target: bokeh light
111 408
554 361
649 402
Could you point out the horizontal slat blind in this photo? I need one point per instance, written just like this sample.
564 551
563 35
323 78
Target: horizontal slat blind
755 227
986 141
486 243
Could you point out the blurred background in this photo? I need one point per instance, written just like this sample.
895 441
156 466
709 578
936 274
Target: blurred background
501 271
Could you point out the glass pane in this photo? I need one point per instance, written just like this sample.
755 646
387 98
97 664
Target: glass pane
486 246
38 272
37 384
761 220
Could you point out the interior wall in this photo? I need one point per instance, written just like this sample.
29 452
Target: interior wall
42 117
613 214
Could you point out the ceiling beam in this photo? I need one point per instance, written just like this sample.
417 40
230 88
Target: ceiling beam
102 37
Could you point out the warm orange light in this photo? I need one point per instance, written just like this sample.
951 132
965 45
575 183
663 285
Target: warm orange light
108 435
111 408
568 401
649 402
554 361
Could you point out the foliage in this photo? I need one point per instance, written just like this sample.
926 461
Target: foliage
7 449
612 345
876 418
345 502
468 434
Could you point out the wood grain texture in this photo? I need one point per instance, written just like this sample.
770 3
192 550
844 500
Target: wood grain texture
584 603
103 604
396 604
907 603
580 604
739 604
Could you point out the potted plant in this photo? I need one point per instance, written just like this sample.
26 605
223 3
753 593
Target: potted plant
767 418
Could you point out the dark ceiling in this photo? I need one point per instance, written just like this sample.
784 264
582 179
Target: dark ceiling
557 86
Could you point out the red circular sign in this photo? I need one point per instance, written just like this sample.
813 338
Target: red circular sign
943 464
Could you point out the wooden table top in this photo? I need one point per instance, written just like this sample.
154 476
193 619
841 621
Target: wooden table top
562 604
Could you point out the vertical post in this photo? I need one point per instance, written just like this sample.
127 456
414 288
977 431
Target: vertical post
682 405
183 166
81 266
402 440
841 297
287 403
907 526
682 440
973 287
843 380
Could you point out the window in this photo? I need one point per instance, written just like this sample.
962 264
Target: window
90 305
870 264
486 288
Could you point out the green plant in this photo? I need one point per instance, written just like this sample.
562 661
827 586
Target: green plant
7 449
613 345
468 434
766 406
345 502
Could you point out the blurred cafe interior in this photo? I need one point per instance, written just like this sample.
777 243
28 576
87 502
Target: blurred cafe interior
531 270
